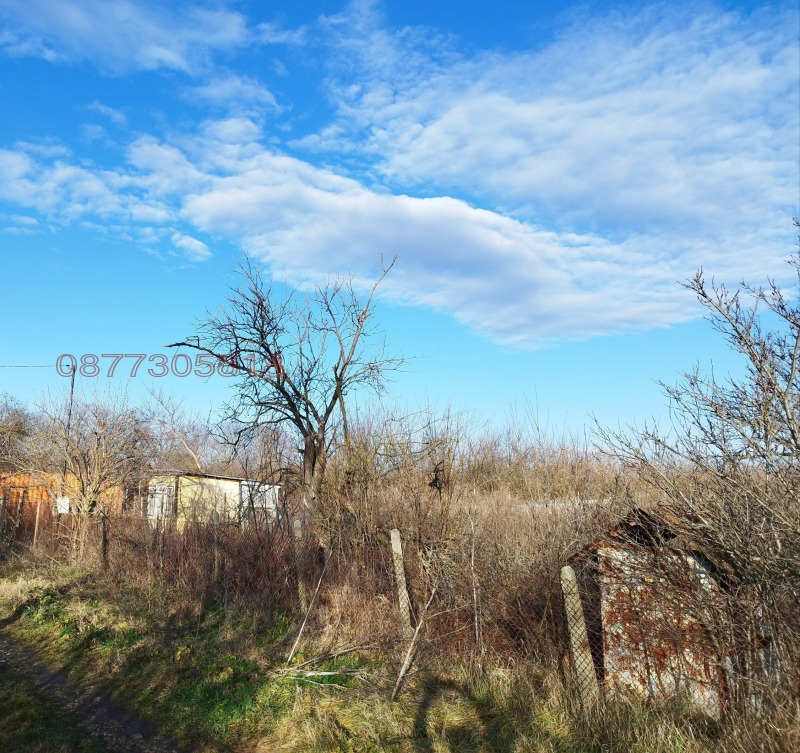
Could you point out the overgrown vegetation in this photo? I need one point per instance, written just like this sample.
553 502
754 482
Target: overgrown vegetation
226 635
212 679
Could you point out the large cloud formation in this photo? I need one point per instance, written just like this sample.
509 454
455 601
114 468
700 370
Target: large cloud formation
539 196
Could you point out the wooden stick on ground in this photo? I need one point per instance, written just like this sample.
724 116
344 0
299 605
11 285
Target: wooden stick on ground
412 649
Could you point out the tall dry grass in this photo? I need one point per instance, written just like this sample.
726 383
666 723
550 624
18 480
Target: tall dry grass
487 520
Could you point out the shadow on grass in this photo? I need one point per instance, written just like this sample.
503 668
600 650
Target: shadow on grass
16 614
29 723
494 731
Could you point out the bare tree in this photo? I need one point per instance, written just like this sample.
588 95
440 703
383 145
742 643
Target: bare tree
102 445
297 356
730 465
183 439
16 424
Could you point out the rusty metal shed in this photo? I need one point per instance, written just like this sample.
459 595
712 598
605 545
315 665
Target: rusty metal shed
654 612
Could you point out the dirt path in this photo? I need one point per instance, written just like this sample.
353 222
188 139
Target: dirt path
119 730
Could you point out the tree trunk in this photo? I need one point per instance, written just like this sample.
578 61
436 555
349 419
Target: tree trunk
313 464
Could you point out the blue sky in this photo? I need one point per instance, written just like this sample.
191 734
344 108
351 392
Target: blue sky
547 173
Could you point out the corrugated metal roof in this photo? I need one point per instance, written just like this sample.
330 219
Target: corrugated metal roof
197 474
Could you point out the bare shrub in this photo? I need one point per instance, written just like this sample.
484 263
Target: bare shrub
729 469
485 521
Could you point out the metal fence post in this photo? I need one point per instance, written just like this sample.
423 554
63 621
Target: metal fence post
104 537
36 523
216 574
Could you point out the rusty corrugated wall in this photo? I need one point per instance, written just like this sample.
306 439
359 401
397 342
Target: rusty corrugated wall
655 608
655 615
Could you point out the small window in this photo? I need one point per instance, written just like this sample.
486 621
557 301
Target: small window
258 501
258 495
160 502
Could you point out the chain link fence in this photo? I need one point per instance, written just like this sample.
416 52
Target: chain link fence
632 617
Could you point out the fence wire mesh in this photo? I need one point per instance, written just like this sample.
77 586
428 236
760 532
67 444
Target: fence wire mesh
629 618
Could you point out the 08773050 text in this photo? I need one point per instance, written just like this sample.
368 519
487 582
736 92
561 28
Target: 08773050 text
157 365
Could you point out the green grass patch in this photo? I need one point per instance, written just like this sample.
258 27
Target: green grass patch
30 723
210 680
195 674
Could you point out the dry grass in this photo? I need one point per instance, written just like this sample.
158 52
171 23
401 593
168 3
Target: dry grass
488 523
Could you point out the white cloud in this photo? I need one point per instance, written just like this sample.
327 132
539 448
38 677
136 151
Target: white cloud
121 35
512 280
19 224
271 33
117 117
585 180
94 132
237 132
19 46
239 94
666 117
194 249
24 220
63 191
162 169
509 279
48 148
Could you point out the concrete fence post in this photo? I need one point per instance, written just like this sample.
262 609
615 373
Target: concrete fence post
298 555
402 588
582 663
